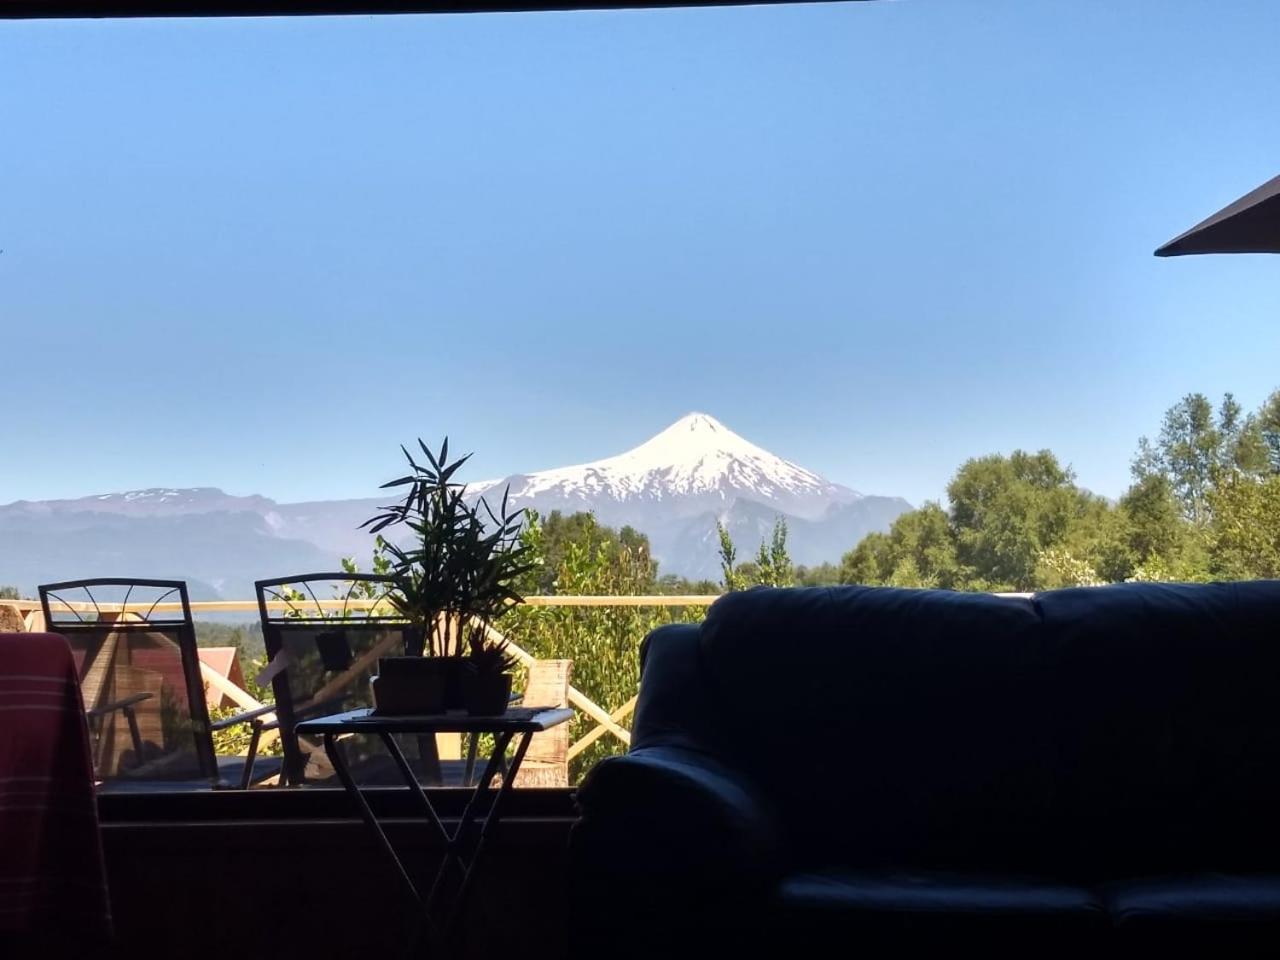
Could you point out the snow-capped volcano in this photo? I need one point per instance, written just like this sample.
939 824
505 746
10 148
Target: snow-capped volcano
695 464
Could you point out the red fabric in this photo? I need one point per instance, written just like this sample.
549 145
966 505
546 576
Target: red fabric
52 879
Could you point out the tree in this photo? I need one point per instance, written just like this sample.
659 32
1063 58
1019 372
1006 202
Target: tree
772 566
1016 523
822 575
1268 427
918 551
1005 511
1195 447
602 642
731 576
773 562
1244 542
558 532
870 562
9 593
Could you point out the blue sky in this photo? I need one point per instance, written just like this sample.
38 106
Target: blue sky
874 238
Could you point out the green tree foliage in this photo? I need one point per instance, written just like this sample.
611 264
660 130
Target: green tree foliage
822 575
1196 446
602 642
1268 425
772 566
731 579
1006 511
773 562
1244 541
918 551
1205 504
558 532
245 637
9 593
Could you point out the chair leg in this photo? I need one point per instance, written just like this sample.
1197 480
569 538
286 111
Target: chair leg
246 778
429 754
134 734
473 746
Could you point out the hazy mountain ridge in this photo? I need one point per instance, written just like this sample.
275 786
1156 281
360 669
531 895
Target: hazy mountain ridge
673 487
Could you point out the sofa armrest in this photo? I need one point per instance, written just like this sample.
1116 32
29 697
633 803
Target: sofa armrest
678 841
673 786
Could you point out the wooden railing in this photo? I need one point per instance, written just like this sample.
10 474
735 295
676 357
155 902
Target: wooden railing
607 723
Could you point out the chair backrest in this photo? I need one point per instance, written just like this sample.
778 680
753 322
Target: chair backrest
322 649
547 686
139 676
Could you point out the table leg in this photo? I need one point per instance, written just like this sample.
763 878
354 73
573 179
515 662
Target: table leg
490 821
455 843
412 783
339 762
426 930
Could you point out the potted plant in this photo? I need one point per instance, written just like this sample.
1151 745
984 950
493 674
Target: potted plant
486 684
454 568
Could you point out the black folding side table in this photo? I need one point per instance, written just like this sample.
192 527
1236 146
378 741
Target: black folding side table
523 722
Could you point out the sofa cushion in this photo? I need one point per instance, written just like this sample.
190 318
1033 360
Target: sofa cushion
907 912
1207 898
897 726
920 891
1166 725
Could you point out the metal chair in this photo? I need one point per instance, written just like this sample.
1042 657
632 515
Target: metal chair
140 679
321 654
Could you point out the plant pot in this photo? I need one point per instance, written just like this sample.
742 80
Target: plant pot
414 641
447 672
404 693
486 694
455 671
410 685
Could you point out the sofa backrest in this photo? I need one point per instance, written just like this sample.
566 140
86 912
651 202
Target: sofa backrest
1099 728
1166 726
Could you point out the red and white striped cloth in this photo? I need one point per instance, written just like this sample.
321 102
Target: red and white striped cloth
52 881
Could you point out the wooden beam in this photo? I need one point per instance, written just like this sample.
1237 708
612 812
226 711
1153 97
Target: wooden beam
240 698
599 730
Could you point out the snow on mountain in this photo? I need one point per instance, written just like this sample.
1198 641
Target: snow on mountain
676 486
694 464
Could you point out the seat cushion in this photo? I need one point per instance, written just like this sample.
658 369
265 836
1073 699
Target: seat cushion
1204 914
1206 898
924 909
933 892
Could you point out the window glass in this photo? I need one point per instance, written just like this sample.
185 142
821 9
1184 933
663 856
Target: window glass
801 295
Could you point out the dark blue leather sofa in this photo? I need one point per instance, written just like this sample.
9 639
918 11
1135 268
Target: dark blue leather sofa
1086 772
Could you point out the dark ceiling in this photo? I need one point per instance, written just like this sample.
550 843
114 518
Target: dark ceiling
60 9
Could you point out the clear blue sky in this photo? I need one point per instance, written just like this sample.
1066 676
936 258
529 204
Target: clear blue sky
874 238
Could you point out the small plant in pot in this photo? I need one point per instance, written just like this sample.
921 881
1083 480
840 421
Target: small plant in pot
454 564
486 684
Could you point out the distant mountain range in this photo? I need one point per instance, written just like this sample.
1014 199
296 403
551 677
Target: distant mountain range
674 487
